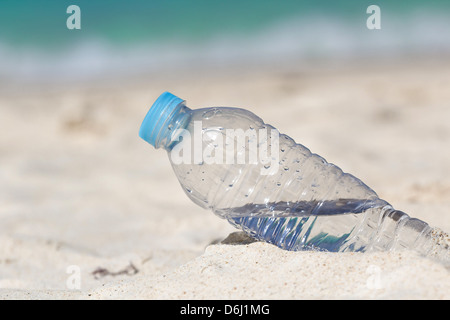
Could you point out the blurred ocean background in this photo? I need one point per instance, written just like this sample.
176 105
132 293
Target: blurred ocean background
137 36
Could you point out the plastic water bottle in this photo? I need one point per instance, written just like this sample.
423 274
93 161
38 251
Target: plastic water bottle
231 162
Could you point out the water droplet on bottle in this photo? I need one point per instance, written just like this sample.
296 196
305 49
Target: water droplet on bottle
286 168
210 113
278 184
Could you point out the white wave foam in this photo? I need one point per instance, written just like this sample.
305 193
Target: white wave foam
296 39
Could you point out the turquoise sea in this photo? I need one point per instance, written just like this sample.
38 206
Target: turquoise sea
142 36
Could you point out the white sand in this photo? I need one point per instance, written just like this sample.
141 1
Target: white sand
79 191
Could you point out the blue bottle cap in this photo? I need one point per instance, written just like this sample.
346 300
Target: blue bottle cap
158 118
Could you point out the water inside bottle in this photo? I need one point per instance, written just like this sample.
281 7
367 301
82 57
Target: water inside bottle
304 225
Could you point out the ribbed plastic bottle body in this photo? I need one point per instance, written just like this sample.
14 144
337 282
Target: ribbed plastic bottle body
228 160
288 196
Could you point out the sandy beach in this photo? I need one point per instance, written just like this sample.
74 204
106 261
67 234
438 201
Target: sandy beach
90 211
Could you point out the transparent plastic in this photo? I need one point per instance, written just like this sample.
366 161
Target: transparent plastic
290 197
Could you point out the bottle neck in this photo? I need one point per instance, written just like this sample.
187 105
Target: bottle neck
172 128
